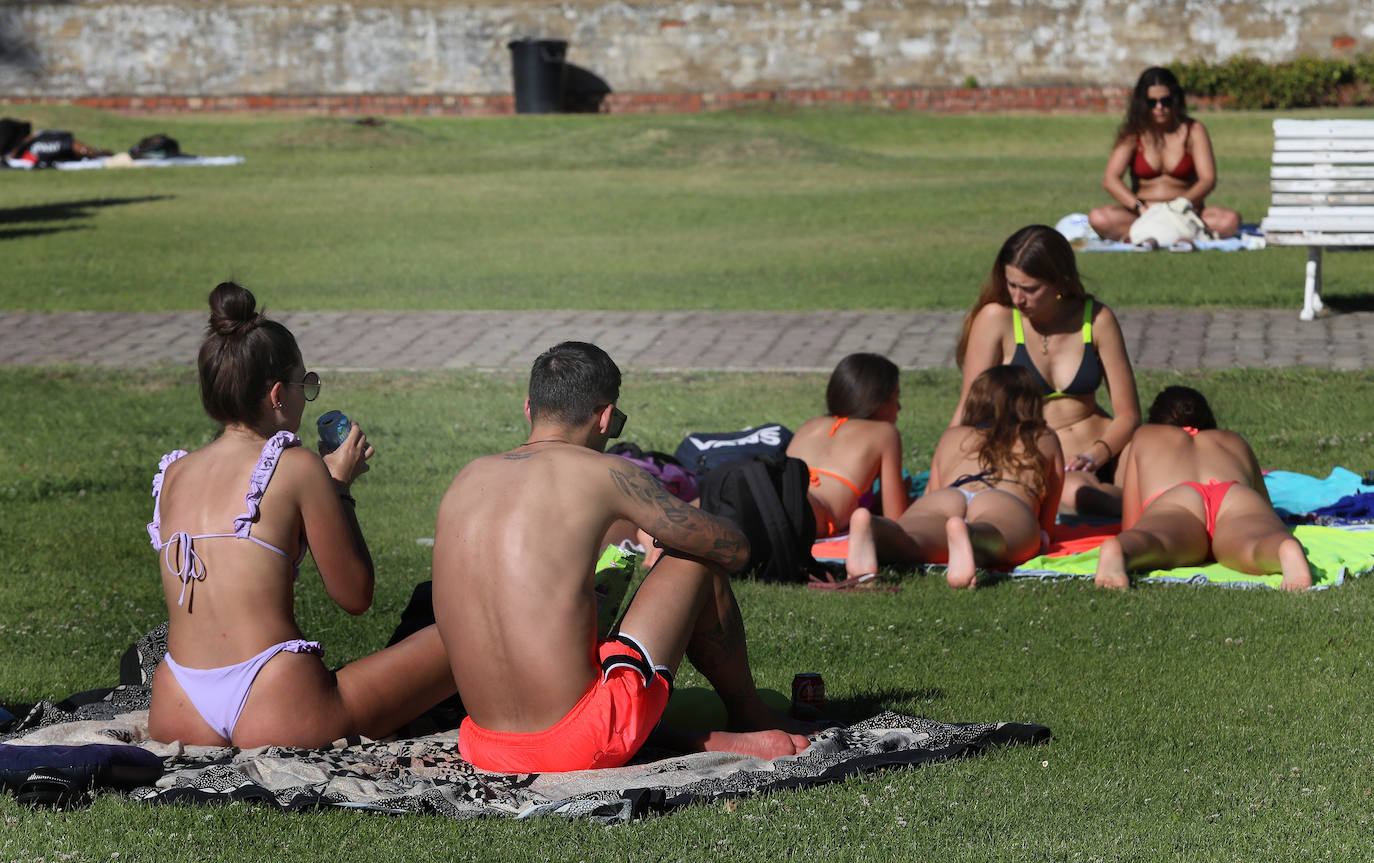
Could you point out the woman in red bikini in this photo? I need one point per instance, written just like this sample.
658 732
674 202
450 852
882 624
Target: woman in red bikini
1167 154
230 525
1034 313
855 443
1193 493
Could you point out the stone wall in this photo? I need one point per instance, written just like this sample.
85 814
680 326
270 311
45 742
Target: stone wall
226 48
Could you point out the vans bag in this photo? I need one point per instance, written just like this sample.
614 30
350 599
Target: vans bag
766 497
705 452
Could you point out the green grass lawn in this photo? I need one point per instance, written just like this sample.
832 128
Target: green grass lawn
1190 724
772 208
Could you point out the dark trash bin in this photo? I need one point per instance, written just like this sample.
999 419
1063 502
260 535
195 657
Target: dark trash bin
538 67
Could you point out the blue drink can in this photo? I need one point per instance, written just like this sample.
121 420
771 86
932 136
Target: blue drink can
333 428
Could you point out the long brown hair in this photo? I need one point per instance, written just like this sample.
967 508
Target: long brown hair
1040 252
1005 405
243 354
1138 109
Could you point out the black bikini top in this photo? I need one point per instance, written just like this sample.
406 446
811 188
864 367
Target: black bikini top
1089 375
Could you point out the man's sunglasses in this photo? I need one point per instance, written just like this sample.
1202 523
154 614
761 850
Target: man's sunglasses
1165 102
617 422
310 385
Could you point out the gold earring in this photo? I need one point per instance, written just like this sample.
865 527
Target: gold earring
1059 296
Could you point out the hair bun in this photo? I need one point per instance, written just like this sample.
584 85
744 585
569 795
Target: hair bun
233 309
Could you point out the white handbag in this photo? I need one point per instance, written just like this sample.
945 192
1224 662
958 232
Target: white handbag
1169 223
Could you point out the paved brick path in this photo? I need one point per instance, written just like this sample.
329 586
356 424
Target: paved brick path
1156 338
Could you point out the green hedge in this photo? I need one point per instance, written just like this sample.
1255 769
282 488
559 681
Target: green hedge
1306 82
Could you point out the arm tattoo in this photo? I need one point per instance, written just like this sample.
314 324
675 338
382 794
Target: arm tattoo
671 517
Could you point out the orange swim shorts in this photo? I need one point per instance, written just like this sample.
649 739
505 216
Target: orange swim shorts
605 728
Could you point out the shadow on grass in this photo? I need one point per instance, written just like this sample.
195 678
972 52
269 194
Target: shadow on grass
65 211
20 233
866 704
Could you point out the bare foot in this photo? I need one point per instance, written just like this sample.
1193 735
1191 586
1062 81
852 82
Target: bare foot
1111 565
1296 573
962 569
758 716
863 553
759 744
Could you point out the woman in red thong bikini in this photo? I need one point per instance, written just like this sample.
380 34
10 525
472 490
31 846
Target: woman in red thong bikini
1194 492
1167 155
854 444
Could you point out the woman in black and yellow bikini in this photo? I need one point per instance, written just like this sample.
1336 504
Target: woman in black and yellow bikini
994 488
854 444
1166 154
1034 313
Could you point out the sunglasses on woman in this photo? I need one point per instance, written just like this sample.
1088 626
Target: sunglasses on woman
1165 102
310 385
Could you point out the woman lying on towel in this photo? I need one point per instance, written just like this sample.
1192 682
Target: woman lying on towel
855 443
1193 493
1034 313
231 523
994 488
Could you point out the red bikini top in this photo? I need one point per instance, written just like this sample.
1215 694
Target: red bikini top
1184 170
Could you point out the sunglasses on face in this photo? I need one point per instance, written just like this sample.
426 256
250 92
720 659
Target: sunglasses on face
1165 102
617 422
310 385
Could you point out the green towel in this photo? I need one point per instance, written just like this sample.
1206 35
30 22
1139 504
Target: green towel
1333 554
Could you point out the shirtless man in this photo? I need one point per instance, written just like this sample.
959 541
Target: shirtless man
1193 493
516 544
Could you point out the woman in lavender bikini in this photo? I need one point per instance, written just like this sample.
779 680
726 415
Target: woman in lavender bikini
230 524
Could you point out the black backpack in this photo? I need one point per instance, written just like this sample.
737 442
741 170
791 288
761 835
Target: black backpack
157 146
766 497
12 131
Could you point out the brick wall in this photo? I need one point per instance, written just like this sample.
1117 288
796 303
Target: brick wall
905 51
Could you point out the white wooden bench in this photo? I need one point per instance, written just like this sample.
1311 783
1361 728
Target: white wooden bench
1323 193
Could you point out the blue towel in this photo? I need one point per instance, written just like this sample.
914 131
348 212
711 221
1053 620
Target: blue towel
1297 493
1352 507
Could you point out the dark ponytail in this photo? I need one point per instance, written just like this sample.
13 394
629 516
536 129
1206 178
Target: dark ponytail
243 354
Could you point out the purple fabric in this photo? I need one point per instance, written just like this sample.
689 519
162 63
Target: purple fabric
179 551
155 526
262 475
218 694
680 482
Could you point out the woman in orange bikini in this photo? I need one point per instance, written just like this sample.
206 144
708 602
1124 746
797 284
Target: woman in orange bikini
1167 155
854 444
1193 493
994 488
1034 313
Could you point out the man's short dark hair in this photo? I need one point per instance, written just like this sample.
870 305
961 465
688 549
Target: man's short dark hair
570 381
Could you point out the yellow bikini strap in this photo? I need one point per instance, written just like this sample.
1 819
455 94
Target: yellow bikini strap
1016 326
1088 321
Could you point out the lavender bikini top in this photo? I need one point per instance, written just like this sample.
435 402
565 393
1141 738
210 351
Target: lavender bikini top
178 550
